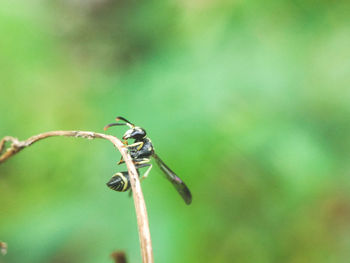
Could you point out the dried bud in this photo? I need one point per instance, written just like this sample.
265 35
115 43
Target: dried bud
3 248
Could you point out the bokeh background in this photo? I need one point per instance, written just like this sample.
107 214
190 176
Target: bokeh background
248 101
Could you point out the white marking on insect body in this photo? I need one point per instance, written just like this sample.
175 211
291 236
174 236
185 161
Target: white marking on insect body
125 182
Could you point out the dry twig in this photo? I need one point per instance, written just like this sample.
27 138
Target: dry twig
140 206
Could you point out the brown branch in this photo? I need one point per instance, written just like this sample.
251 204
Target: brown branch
140 206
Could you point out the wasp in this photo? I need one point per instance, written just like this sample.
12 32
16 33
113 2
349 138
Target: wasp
141 150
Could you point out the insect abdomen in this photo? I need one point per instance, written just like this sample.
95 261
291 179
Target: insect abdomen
119 182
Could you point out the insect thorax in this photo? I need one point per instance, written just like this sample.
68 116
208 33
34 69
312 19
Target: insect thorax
145 151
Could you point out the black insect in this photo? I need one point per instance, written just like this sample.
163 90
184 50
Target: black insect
141 151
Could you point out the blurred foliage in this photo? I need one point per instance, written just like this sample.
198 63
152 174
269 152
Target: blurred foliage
247 101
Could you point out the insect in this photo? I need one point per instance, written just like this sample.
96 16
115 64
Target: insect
141 151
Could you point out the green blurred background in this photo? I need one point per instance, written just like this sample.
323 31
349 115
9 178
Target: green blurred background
247 101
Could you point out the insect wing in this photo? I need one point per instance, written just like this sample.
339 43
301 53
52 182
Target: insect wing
175 180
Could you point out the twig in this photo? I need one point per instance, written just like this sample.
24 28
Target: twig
140 206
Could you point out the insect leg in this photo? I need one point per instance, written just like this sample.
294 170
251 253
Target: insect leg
144 176
121 161
138 144
141 161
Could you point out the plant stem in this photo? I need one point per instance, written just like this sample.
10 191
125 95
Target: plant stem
139 201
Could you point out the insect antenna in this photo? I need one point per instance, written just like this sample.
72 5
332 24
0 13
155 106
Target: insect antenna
128 123
113 124
131 125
